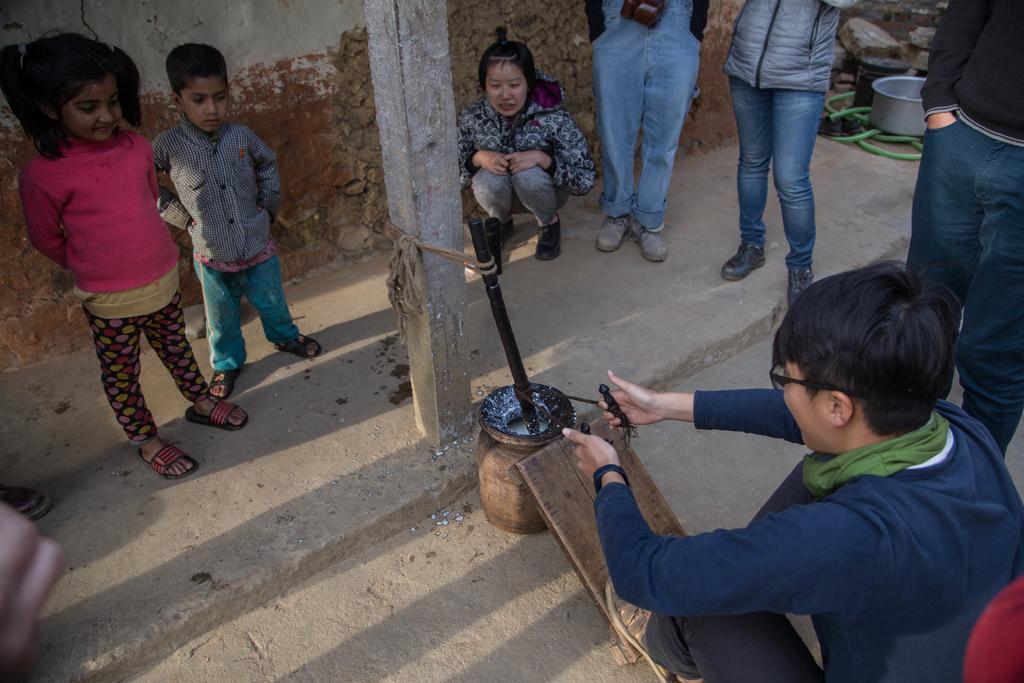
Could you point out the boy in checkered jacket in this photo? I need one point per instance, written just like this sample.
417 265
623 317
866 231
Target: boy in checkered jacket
227 196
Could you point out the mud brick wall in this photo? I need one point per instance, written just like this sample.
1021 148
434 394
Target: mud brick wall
315 109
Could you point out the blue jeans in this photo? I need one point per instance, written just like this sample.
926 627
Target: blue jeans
968 234
777 128
643 78
222 294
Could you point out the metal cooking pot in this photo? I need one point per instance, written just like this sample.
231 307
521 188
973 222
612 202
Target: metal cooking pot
897 105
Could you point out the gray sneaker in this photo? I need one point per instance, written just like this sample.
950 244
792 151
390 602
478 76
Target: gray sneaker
652 244
613 231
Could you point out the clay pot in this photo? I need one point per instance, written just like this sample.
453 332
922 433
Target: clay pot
504 496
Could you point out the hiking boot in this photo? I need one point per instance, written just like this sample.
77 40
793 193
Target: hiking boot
652 244
506 230
747 258
799 280
613 231
549 243
28 502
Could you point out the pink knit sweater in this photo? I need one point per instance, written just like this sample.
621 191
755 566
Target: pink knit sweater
94 211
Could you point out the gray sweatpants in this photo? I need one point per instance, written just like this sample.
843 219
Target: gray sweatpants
529 191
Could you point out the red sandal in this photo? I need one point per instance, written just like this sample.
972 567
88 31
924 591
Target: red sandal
165 458
218 417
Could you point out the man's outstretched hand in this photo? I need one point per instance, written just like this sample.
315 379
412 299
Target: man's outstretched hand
639 405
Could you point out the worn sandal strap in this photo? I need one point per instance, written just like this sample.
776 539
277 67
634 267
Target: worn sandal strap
220 413
167 456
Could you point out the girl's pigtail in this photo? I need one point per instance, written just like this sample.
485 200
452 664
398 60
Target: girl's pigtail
16 85
501 33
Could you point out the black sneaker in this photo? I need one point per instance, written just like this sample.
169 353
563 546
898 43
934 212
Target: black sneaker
549 244
747 258
799 280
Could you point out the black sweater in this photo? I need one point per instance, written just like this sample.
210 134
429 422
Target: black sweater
976 66
595 18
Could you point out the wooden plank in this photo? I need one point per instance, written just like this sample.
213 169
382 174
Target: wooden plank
566 501
415 104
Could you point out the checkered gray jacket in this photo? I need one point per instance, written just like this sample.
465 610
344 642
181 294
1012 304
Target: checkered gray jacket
227 187
544 124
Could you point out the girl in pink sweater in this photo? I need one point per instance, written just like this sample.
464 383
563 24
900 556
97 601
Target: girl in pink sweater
90 202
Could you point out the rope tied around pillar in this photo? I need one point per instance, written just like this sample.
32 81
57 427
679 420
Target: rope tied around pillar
405 289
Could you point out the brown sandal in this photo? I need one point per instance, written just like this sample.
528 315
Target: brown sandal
165 458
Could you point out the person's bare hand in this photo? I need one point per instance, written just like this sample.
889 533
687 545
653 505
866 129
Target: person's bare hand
495 162
940 120
29 566
639 405
521 161
592 452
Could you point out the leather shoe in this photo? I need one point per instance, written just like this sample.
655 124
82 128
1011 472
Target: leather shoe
747 258
28 502
799 280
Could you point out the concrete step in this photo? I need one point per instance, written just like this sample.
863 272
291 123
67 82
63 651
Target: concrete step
331 462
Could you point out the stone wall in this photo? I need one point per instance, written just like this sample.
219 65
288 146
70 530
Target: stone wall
899 18
312 103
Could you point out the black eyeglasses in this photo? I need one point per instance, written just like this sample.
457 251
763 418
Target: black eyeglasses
779 381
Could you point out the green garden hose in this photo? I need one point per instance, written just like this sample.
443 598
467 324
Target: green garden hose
862 116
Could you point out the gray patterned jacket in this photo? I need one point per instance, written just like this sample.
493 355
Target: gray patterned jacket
543 125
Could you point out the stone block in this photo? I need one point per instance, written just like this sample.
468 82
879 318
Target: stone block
355 238
839 56
915 56
864 39
922 37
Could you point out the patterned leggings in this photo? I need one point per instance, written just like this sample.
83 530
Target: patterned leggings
117 347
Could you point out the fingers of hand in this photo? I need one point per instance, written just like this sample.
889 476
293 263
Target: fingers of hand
591 451
36 569
620 384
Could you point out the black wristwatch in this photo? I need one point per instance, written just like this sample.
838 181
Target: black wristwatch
605 469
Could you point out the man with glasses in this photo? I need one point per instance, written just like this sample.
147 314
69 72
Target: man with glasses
892 534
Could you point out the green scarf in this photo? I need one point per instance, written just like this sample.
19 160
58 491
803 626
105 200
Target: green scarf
823 473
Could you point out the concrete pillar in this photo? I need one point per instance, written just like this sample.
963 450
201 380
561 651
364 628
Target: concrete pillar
412 84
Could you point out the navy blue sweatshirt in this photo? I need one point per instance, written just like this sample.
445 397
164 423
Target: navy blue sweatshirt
893 570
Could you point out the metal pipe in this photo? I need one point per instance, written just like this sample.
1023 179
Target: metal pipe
520 380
